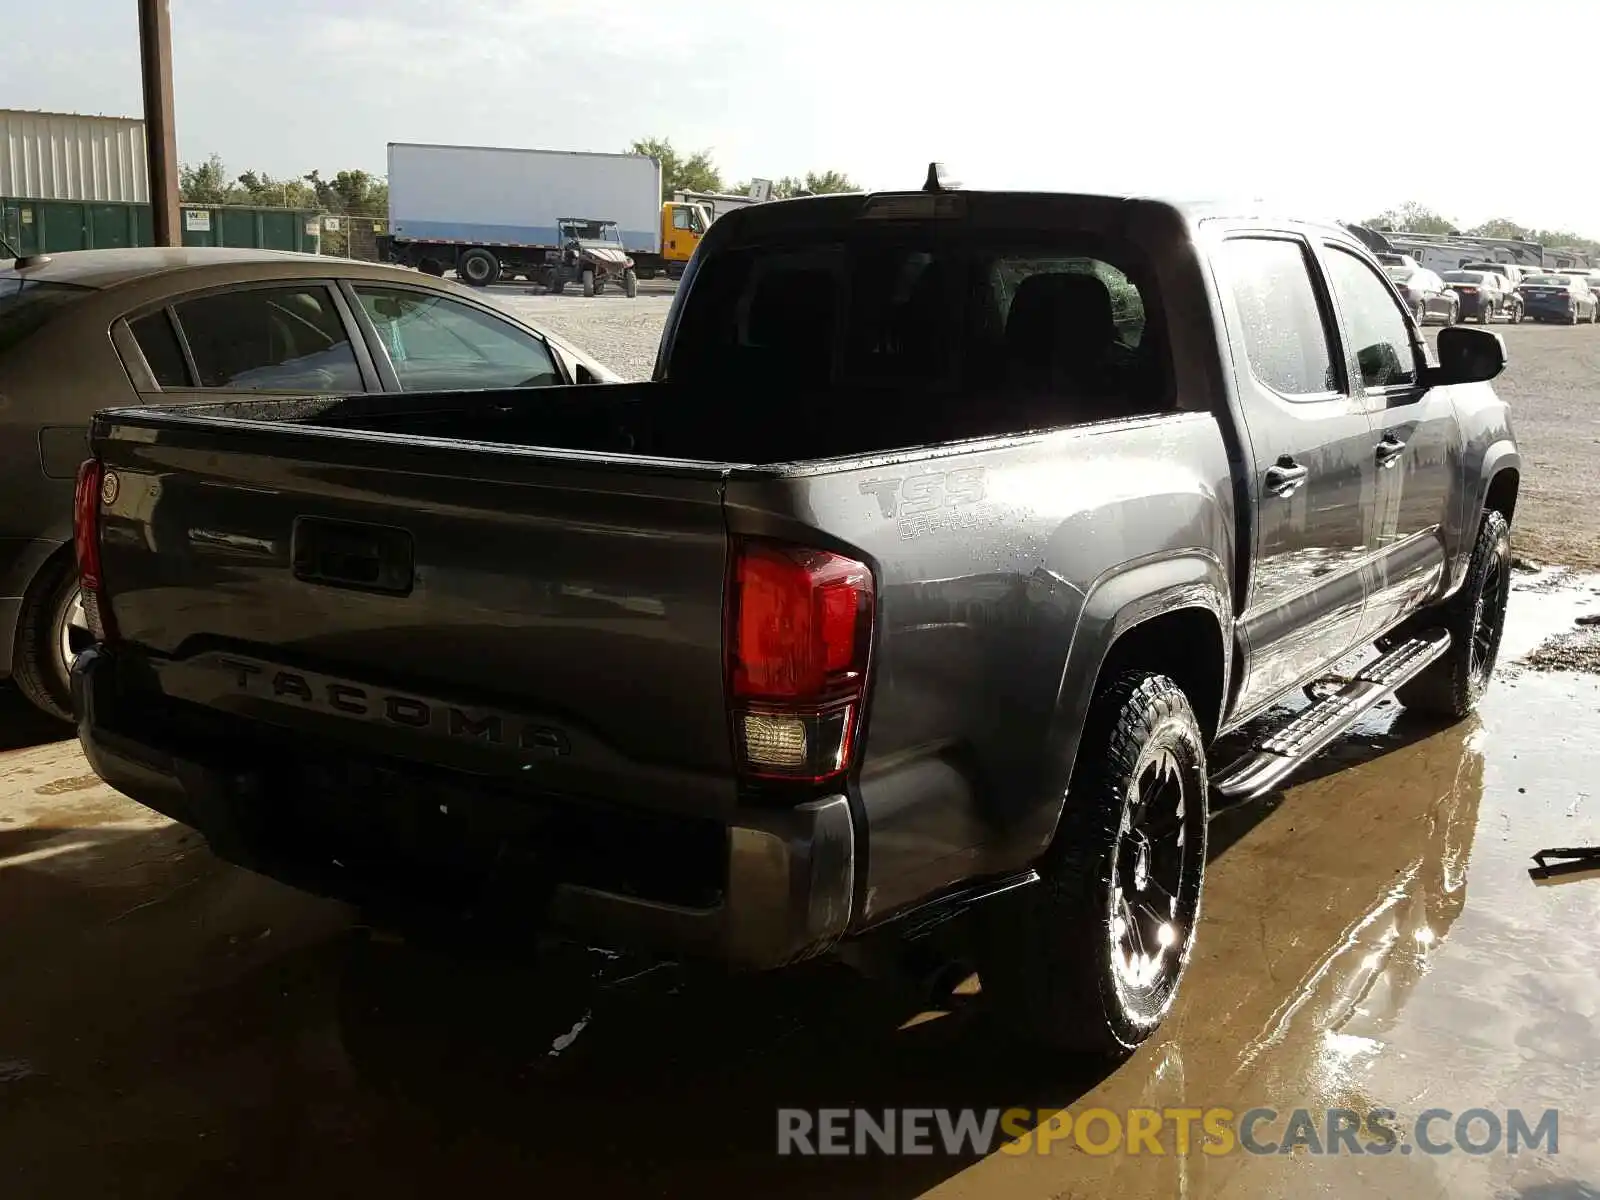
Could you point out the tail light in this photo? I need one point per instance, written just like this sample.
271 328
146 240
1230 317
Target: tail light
798 633
95 484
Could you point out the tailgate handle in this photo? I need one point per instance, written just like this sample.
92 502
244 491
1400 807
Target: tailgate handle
350 554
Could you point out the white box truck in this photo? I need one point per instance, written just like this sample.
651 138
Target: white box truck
551 216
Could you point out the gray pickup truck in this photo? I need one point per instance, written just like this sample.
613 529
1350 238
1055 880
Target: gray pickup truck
952 532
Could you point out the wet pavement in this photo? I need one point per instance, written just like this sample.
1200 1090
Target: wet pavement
173 1027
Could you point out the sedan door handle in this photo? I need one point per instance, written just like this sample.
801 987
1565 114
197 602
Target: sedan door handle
1285 477
1390 450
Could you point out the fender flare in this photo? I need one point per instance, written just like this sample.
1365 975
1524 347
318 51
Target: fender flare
1118 601
1500 455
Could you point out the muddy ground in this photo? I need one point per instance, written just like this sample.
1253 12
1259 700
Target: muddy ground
171 1026
1552 383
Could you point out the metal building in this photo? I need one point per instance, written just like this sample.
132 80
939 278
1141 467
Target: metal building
67 156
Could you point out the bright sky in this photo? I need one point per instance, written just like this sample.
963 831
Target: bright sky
1339 108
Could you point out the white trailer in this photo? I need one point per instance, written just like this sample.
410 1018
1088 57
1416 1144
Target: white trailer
492 213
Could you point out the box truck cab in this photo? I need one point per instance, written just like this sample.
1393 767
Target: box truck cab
682 226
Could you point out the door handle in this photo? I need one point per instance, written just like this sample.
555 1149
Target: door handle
1389 450
1285 477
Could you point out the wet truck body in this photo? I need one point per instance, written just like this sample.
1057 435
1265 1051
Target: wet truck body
823 629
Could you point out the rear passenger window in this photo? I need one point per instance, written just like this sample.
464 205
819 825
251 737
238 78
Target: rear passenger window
286 339
1375 322
1281 321
158 342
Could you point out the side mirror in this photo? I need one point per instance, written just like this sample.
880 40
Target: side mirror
1466 355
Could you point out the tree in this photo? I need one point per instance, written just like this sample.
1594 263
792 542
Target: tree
204 183
355 192
263 191
816 183
1500 227
697 173
1411 217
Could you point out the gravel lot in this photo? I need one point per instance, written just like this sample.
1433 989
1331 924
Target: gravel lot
1552 384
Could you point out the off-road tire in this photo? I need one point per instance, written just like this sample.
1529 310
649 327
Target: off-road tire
1452 685
36 665
588 283
478 268
556 283
1046 957
630 284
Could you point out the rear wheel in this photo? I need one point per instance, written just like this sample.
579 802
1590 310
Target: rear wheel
51 629
1485 312
478 267
1090 958
1475 617
1515 316
1454 317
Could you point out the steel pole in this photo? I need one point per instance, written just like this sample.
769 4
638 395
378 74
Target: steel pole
160 129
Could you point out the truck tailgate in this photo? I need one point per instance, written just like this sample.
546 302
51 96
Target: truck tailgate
493 609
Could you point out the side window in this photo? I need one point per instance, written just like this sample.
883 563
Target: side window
438 344
680 217
1282 323
158 342
1376 324
286 339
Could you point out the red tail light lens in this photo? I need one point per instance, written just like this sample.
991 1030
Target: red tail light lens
93 486
86 523
799 631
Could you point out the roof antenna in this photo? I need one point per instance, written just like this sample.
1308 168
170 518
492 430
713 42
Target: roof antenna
939 179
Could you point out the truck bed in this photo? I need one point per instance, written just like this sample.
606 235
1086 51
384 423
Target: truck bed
274 558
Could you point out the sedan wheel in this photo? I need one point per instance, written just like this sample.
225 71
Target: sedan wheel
73 634
51 630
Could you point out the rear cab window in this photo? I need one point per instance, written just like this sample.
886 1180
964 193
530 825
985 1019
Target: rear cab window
997 331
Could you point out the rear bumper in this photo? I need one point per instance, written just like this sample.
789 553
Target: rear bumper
781 889
1544 308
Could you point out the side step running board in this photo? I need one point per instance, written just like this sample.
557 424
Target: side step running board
1284 751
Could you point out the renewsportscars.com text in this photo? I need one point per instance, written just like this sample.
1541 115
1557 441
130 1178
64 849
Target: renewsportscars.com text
1162 1131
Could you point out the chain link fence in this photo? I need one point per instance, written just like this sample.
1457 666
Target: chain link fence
345 236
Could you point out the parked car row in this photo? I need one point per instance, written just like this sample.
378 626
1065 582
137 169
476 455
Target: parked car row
203 324
1481 292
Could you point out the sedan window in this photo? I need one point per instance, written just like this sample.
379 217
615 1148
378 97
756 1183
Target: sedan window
158 342
287 339
439 344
